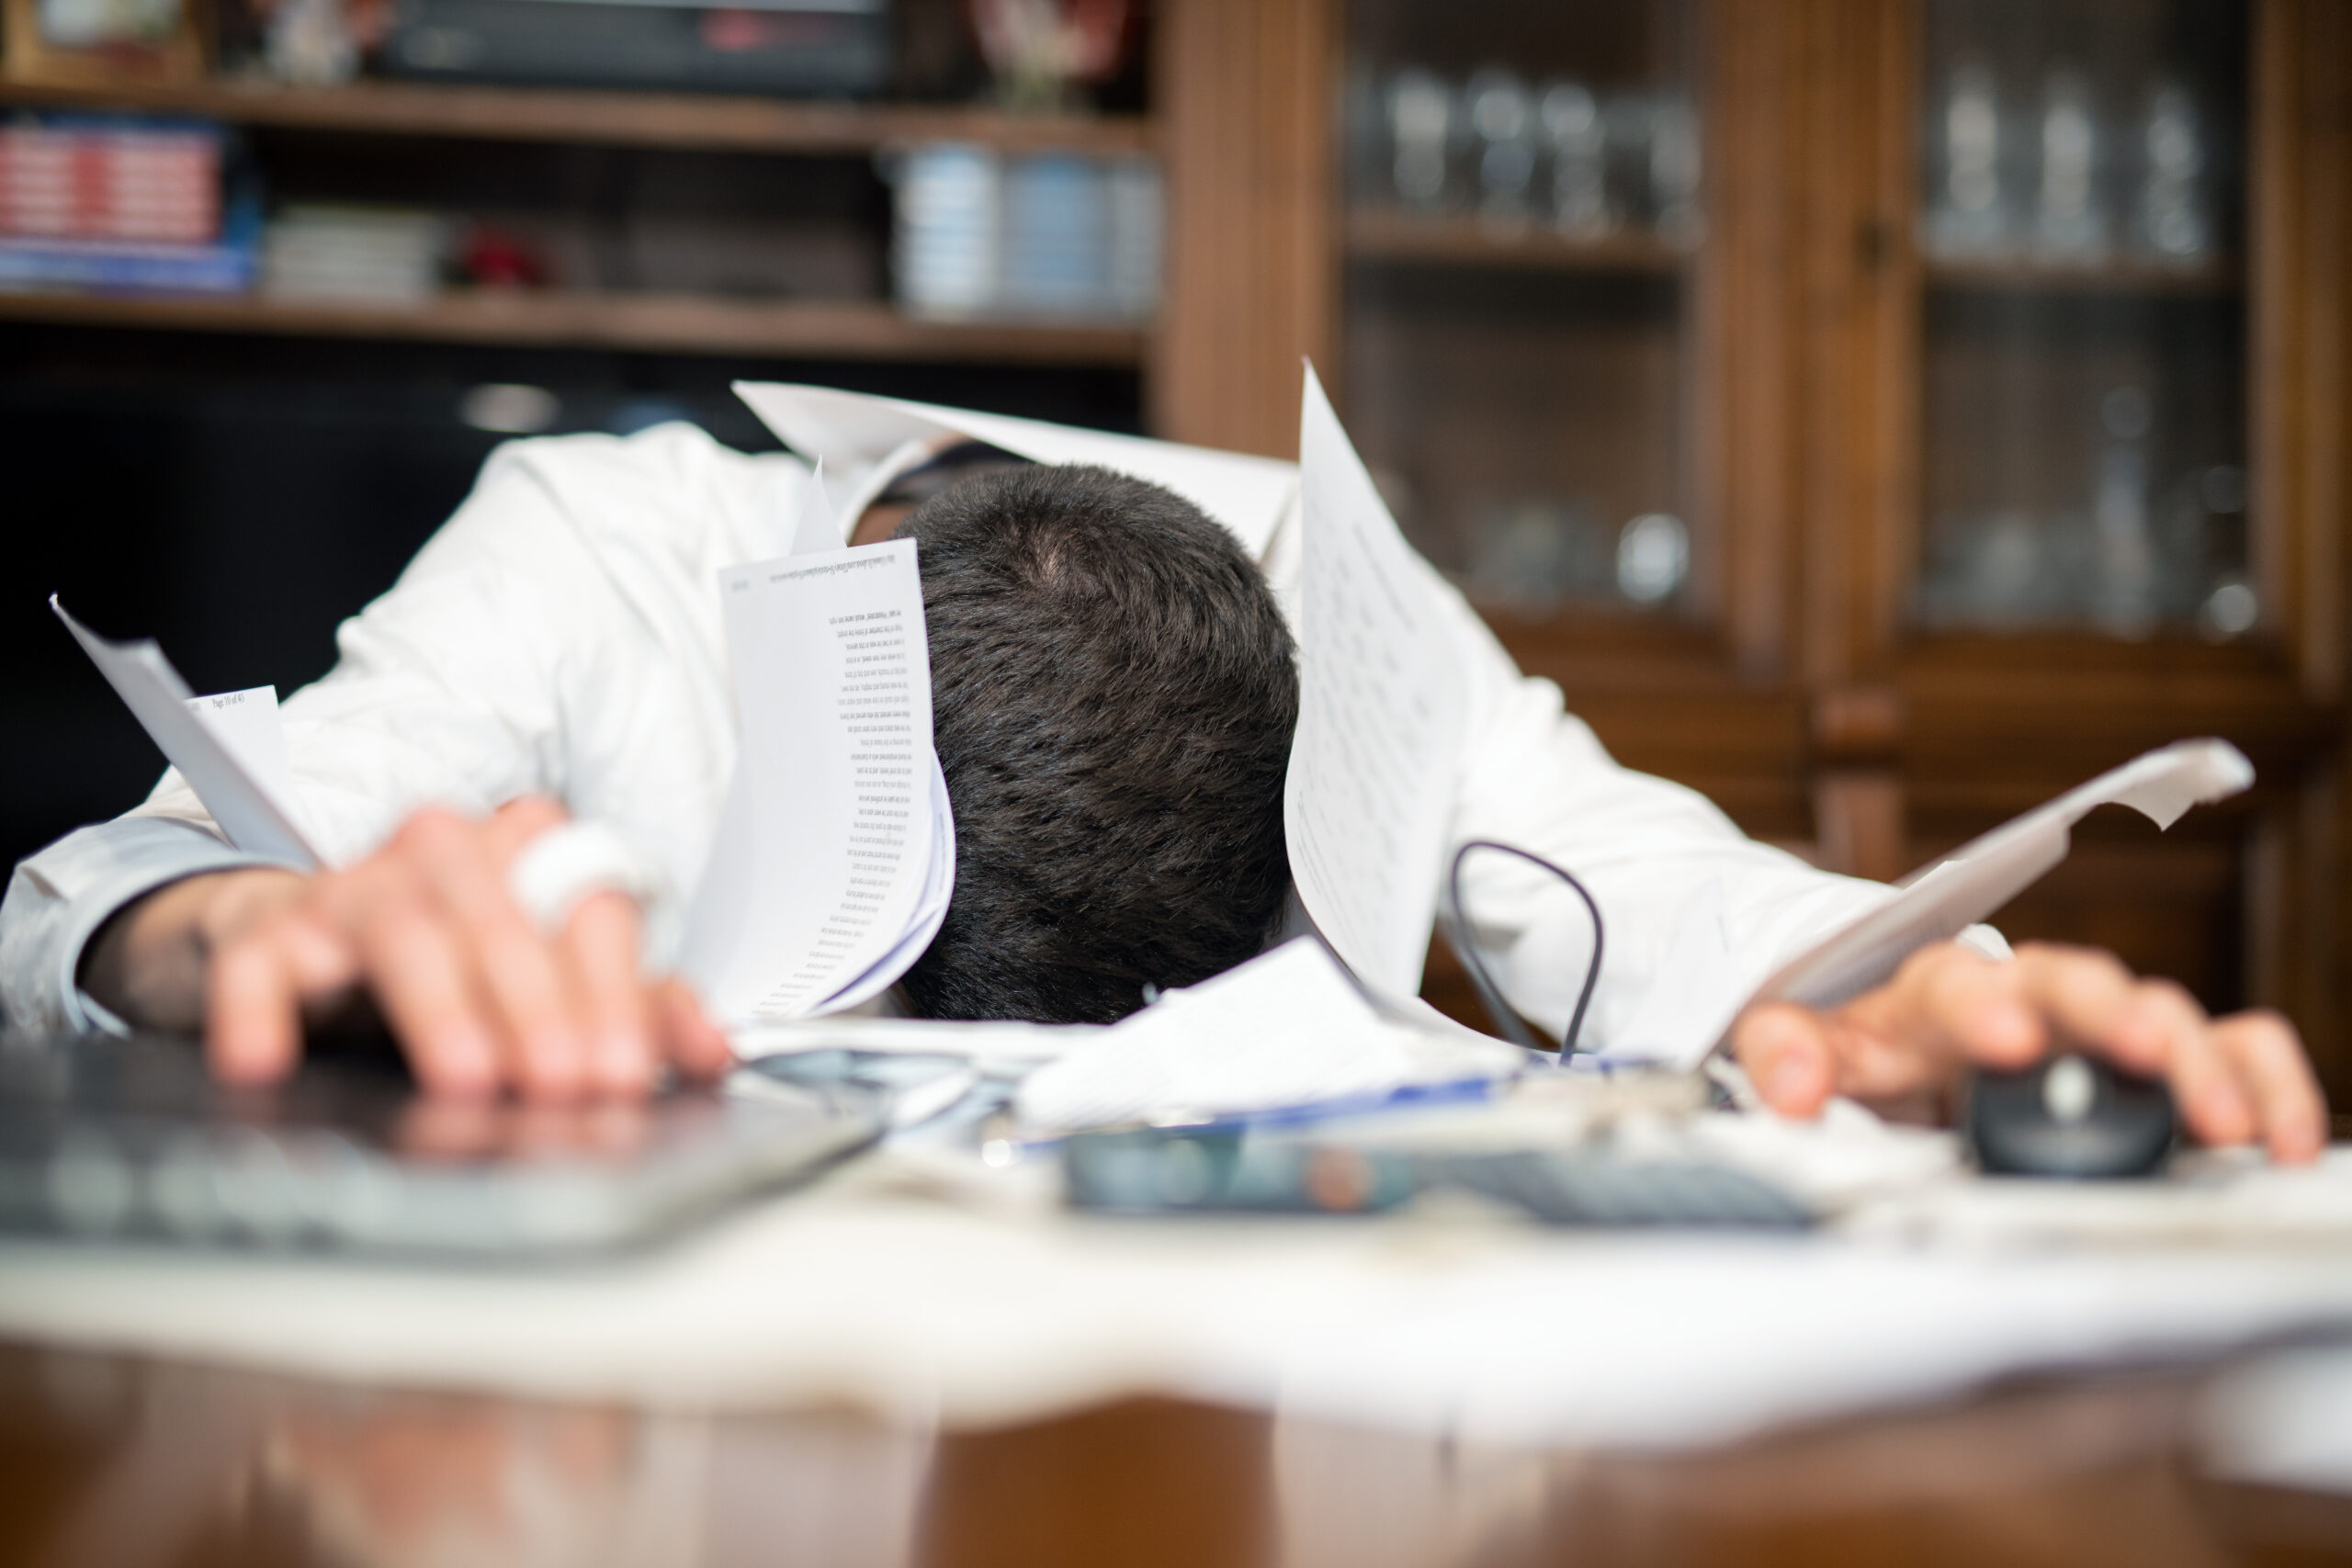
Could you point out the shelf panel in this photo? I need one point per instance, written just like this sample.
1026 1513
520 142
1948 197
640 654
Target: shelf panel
2127 276
617 118
672 322
1383 234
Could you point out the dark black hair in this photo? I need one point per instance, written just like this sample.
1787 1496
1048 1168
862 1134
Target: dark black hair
1112 698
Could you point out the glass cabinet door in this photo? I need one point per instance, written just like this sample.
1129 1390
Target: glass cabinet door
2081 226
1523 191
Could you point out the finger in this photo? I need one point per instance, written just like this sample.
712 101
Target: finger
2092 1000
2272 1066
1946 1006
519 821
688 1037
600 947
414 964
256 985
1789 1057
535 1004
2165 1033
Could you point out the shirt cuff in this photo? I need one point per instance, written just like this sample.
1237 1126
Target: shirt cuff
59 898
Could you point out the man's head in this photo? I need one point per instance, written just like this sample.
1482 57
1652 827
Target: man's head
1112 698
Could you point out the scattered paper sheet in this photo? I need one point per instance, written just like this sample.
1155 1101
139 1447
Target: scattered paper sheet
1286 1028
855 432
246 723
795 915
819 526
1973 881
228 748
1379 718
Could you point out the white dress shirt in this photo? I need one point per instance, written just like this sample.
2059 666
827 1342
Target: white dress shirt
562 634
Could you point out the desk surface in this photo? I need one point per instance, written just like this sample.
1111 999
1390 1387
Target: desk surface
107 1460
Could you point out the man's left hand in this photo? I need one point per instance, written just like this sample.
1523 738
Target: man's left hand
2237 1080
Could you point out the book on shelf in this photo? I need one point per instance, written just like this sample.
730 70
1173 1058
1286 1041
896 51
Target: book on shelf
123 204
221 265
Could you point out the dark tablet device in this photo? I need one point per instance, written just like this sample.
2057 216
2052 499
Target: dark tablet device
129 1139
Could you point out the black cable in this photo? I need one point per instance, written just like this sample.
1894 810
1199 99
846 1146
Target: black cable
1457 935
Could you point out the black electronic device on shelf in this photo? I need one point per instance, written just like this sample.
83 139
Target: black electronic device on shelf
787 48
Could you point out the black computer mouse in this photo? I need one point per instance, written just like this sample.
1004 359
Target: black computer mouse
2071 1117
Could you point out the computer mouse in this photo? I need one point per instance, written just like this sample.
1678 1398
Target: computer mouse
2071 1117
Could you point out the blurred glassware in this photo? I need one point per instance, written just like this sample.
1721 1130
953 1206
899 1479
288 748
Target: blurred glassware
1501 117
2140 558
1578 143
1628 121
2175 222
1534 555
2124 599
2230 611
1420 127
1653 558
1967 215
1042 52
2222 487
1985 570
2069 223
1674 171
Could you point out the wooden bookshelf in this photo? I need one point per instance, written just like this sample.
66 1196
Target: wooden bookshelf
1377 233
645 323
616 119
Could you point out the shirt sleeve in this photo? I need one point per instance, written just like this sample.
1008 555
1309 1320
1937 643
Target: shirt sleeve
560 634
58 899
1694 913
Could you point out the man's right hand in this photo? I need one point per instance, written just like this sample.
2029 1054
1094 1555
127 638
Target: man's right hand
478 997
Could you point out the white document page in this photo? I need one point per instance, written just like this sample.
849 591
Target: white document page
205 746
931 907
1287 1027
817 529
1380 717
819 526
855 431
832 688
246 723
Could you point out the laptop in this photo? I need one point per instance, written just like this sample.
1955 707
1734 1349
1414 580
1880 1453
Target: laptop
111 1139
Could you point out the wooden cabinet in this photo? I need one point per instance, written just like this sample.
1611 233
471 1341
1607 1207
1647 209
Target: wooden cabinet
1964 519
